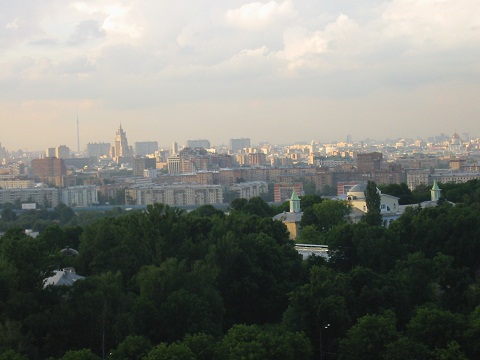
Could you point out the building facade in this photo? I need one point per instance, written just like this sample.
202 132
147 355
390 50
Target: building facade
143 148
50 170
48 197
174 195
120 151
247 190
80 196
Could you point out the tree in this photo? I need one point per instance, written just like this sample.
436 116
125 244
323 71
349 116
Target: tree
405 348
453 351
204 346
267 342
8 215
84 354
173 351
369 337
435 327
64 213
399 190
330 213
319 308
372 198
132 348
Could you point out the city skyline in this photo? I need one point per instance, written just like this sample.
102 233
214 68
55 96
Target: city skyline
281 71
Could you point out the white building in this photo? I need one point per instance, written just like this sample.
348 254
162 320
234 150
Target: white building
80 196
43 196
247 190
16 184
174 195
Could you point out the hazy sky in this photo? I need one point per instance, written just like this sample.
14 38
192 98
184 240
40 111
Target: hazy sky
281 71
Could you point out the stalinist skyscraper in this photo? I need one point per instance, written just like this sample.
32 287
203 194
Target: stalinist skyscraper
120 151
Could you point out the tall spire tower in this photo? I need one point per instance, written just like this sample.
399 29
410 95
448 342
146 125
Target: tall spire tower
120 148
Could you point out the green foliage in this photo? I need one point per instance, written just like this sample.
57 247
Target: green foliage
307 201
435 327
173 351
254 206
405 348
203 346
12 355
399 190
271 342
8 215
369 337
84 354
373 216
421 193
132 348
452 352
330 213
184 282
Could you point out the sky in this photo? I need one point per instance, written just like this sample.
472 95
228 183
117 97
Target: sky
277 71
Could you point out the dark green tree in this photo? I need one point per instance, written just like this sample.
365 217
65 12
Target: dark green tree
132 348
435 327
84 354
372 198
369 337
268 342
174 351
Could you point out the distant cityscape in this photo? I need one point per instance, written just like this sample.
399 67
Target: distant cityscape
198 173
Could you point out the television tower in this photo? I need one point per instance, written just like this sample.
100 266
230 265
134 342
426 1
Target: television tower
78 135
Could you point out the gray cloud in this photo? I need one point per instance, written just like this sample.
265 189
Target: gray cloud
85 31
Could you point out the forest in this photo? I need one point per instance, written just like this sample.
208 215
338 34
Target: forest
168 284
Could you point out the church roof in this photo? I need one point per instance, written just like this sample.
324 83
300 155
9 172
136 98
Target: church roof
288 217
65 277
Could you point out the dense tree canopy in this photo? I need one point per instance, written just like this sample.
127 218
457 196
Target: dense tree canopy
163 283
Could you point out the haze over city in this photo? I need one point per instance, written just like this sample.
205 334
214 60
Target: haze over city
269 70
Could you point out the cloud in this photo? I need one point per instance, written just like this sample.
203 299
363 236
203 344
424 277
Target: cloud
257 15
85 31
146 55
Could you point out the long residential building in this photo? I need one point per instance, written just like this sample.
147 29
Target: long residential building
49 197
81 196
16 184
174 195
455 177
248 190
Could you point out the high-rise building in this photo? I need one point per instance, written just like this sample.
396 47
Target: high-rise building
62 152
283 191
369 161
98 149
142 163
143 148
120 151
50 152
174 148
237 145
50 170
200 143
